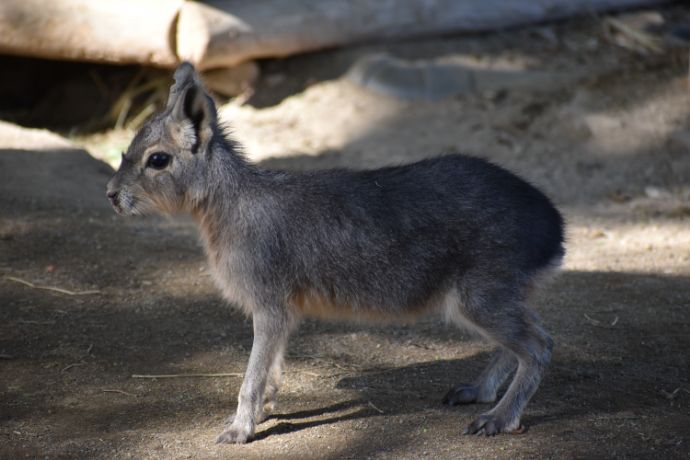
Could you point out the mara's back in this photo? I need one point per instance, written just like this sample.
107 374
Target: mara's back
395 236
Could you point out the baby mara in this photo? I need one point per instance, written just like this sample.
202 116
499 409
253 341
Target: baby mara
455 236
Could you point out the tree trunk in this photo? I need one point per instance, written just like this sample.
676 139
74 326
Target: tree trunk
118 31
222 33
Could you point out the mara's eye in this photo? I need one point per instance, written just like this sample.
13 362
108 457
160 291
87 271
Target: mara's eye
158 160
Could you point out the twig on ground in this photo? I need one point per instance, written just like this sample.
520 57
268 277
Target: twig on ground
672 395
371 404
306 356
313 374
124 111
125 97
50 288
143 114
181 376
159 87
118 391
6 356
640 37
602 324
28 321
70 366
348 367
120 110
594 322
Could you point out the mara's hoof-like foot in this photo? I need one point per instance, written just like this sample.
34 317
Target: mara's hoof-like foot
259 418
491 425
461 393
235 434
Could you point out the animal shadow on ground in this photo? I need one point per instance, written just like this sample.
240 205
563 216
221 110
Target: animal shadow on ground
610 358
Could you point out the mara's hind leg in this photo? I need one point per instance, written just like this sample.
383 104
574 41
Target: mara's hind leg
505 320
485 387
518 329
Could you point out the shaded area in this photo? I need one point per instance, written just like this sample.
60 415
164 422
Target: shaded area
599 371
67 179
62 94
620 312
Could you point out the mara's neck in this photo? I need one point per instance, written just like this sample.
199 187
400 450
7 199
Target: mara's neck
218 205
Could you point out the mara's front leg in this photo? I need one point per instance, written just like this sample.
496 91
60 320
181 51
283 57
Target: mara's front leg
271 331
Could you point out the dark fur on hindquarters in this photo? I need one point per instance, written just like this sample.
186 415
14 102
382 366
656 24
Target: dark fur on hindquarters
454 235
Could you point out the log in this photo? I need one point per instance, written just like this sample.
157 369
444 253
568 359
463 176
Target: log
221 33
224 33
433 79
116 31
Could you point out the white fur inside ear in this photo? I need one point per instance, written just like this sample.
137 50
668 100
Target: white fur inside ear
183 134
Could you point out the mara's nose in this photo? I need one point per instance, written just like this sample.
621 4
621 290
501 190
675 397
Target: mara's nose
112 195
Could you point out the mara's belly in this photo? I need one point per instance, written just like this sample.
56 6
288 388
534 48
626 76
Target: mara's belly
312 304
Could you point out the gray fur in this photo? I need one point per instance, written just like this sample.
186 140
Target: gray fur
455 236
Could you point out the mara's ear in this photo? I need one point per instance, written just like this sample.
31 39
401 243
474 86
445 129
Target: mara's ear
188 102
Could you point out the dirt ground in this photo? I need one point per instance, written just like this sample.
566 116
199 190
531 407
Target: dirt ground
613 151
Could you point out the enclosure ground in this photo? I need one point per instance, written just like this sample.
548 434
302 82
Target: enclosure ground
613 152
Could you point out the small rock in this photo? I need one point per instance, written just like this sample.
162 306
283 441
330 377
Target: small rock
656 192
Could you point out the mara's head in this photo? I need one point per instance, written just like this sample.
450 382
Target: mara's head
165 166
